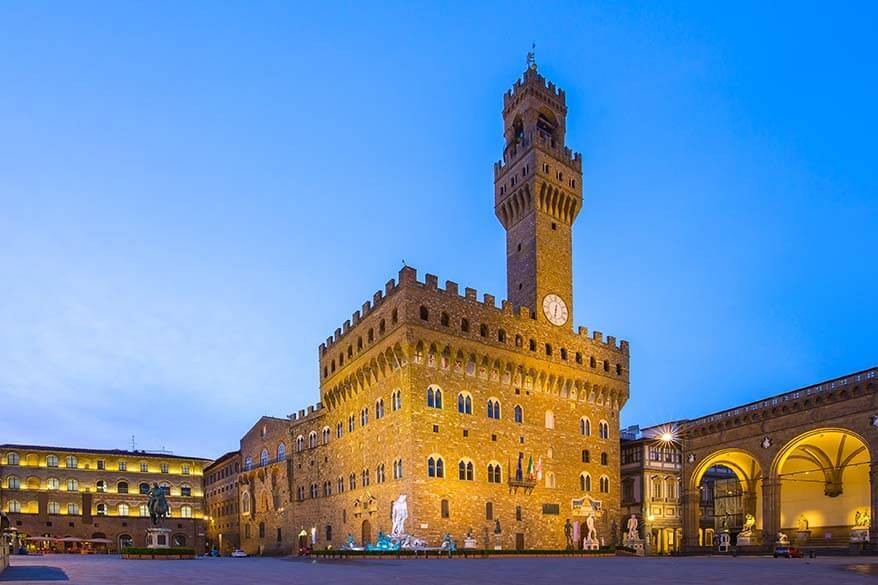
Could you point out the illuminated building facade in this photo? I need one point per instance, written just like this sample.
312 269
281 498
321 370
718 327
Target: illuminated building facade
96 499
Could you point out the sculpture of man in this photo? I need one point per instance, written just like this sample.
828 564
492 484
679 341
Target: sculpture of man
632 528
400 511
591 534
803 523
749 524
156 503
497 529
568 533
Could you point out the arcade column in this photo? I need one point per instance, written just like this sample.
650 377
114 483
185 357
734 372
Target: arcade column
691 500
873 492
770 509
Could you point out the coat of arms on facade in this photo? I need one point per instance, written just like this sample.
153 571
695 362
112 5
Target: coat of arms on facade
766 442
873 420
691 458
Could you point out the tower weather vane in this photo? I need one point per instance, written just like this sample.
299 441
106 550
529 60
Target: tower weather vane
531 57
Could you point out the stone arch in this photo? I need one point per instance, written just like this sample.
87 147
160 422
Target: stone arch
823 478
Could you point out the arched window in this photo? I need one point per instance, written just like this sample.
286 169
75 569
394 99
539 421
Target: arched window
101 509
425 314
300 443
604 429
483 330
434 397
352 481
397 469
100 486
263 457
493 408
143 488
185 511
327 434
494 472
339 430
51 461
465 470
248 463
73 509
518 414
585 426
605 459
312 439
435 467
585 482
464 403
122 510
550 479
379 474
396 400
245 502
54 508
13 483
72 485
443 319
605 484
53 483
586 456
443 509
671 487
379 408
501 335
122 487
143 510
71 462
550 419
281 451
12 459
13 506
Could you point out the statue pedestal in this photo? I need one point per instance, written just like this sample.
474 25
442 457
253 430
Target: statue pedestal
860 534
725 542
802 536
158 538
590 544
497 545
470 543
747 539
637 545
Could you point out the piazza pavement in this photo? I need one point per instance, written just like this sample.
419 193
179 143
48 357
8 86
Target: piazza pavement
106 570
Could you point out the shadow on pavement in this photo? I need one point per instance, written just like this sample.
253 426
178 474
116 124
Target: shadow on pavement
37 573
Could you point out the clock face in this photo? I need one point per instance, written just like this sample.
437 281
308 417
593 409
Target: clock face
555 309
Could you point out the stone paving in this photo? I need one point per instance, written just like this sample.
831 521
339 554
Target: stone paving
94 570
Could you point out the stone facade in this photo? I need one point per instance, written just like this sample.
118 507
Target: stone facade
802 459
93 495
517 383
222 502
650 475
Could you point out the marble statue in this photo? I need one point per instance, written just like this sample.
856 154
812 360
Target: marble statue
349 543
782 538
632 528
803 523
399 513
448 543
862 520
591 534
749 525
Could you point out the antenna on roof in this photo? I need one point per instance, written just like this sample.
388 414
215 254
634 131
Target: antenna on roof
133 448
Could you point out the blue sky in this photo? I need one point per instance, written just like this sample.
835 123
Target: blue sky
194 195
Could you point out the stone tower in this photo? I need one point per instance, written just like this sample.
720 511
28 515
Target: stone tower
537 196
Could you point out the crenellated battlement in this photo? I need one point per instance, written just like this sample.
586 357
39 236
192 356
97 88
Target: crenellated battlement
534 81
515 152
304 415
508 313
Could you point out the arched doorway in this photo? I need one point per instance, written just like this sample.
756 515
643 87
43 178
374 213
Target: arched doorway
125 541
366 534
823 479
729 486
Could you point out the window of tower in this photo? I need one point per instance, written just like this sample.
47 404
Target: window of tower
554 226
425 314
517 130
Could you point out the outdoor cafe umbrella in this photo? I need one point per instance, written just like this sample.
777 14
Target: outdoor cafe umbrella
39 538
69 539
100 540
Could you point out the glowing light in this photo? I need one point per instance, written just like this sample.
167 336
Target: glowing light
667 437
